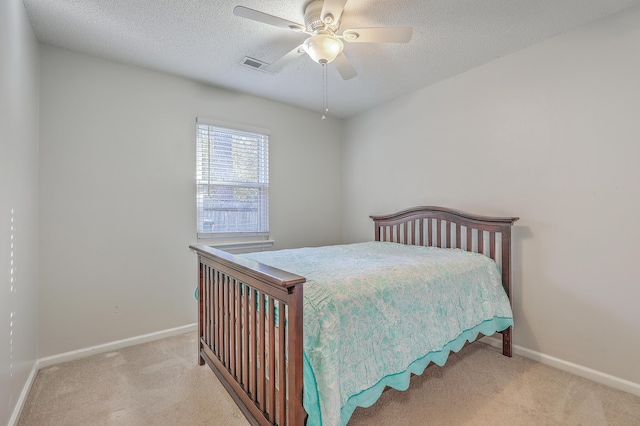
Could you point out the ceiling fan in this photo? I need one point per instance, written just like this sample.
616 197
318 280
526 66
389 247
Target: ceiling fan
322 21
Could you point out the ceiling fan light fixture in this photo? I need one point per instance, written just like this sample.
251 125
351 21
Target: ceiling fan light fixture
323 48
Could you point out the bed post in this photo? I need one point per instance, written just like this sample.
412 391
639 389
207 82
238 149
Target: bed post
506 282
296 414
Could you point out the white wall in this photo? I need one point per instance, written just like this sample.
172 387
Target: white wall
116 172
117 176
18 203
549 134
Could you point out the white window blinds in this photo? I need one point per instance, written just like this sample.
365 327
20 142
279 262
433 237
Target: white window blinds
233 182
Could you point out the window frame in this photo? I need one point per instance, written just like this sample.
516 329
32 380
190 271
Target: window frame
240 239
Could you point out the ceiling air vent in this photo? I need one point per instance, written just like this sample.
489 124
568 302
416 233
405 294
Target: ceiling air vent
254 64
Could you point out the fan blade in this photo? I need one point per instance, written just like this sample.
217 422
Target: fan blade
332 11
378 35
344 67
265 18
288 57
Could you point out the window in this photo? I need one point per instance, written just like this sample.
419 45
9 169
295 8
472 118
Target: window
233 182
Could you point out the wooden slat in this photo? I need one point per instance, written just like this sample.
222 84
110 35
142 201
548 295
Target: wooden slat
204 310
412 232
245 338
448 233
209 298
271 410
228 321
205 331
209 315
469 239
223 322
458 235
430 233
225 334
254 346
492 245
230 327
213 297
406 234
218 314
422 232
282 394
215 323
261 350
233 326
225 318
239 335
480 241
439 232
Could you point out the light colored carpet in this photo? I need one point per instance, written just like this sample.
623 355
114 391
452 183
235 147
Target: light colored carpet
160 383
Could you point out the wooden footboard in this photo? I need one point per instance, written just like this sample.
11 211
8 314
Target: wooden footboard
250 334
250 322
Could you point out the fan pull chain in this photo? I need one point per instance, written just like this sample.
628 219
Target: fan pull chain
325 92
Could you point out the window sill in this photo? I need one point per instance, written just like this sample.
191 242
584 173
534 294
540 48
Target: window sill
242 246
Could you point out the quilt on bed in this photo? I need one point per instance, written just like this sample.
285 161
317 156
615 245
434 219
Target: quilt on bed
376 312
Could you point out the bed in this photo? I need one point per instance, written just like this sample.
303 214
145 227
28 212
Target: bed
274 326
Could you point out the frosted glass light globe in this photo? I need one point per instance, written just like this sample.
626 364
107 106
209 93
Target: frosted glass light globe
323 48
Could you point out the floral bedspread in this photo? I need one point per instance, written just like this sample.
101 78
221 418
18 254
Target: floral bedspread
375 312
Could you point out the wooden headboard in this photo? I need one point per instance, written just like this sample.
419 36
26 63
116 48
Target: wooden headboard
433 226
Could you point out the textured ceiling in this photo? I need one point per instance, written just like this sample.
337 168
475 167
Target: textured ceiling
204 41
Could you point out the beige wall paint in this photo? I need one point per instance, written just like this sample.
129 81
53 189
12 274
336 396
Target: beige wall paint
549 134
118 193
18 203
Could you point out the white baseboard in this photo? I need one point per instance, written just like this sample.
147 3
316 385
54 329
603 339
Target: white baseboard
113 346
578 370
94 350
13 420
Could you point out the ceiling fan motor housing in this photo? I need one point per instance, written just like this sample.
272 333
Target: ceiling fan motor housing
313 21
